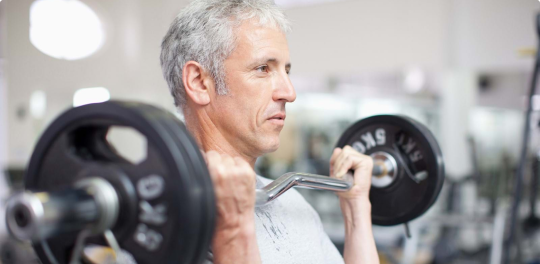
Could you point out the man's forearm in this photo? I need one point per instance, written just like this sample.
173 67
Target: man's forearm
359 242
236 246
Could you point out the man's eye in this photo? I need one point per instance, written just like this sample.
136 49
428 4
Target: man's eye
263 68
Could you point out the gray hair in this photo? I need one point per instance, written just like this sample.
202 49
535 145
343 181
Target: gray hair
204 32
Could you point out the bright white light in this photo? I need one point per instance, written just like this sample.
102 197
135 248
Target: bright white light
535 102
414 80
38 104
90 95
65 29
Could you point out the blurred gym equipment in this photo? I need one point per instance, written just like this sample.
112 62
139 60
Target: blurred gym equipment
518 186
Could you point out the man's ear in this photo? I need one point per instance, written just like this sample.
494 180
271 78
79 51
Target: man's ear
197 82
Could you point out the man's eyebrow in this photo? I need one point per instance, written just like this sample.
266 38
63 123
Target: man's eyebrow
273 60
287 65
268 60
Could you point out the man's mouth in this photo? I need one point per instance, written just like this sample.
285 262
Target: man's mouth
279 116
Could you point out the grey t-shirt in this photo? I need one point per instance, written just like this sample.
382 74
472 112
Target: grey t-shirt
290 231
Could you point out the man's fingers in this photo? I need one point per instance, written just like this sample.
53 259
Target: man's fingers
346 153
350 159
333 158
204 157
240 162
339 163
245 169
212 156
243 165
212 159
227 161
345 165
335 154
347 148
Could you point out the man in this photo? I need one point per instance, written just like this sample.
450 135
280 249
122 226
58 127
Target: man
227 64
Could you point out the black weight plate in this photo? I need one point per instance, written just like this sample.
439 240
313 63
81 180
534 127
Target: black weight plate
405 198
208 217
74 147
192 154
188 161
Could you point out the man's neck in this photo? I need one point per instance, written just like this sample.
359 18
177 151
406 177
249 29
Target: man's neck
209 137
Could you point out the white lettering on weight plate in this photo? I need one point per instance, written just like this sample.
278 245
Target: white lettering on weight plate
409 146
369 140
358 146
150 187
380 135
148 238
416 156
155 215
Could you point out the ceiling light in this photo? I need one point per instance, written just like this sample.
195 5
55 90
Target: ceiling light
65 29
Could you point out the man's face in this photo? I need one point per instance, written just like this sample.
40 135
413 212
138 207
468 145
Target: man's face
253 114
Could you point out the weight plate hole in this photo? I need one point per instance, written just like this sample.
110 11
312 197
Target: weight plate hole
128 143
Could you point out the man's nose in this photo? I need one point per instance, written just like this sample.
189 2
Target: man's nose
284 90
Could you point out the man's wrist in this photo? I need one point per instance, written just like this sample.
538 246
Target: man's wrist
244 231
236 244
356 210
358 203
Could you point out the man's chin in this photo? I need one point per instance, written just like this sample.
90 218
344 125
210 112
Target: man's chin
270 147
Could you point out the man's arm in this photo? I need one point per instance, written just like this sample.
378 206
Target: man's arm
234 186
355 205
359 242
237 245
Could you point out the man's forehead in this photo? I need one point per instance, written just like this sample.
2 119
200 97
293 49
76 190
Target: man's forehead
251 37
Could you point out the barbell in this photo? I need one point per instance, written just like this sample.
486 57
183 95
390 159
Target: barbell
81 194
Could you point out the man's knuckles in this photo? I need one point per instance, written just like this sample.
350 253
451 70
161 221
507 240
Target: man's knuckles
213 156
348 149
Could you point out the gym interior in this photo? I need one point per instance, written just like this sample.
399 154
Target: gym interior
465 70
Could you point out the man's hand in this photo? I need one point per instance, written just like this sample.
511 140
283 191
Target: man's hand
355 205
234 187
346 159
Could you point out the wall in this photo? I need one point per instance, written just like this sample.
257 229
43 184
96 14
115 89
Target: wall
371 35
487 34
